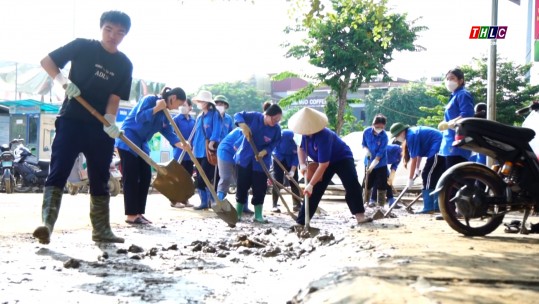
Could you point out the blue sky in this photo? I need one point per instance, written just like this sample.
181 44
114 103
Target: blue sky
191 42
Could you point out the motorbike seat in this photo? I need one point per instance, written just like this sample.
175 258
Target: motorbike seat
515 135
43 164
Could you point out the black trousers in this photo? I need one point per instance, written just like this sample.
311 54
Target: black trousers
73 137
433 169
137 176
250 179
346 170
208 168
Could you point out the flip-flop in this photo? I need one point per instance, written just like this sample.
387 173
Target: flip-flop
144 218
137 221
513 227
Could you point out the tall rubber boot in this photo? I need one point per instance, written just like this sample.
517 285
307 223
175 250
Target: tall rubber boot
246 209
52 199
100 218
381 198
259 218
368 195
221 195
203 194
427 203
239 210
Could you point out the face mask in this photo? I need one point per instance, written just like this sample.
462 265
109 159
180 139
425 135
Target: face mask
184 110
451 85
221 109
401 138
378 130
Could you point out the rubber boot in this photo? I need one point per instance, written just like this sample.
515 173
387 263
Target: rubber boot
210 198
368 195
100 218
427 203
221 195
52 199
203 199
259 218
381 198
239 210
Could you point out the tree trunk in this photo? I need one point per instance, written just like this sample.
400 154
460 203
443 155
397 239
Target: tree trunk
341 103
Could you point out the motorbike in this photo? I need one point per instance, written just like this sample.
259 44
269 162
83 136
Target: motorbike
474 198
78 179
7 182
29 171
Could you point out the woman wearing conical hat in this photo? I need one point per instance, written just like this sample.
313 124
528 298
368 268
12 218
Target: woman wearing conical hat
331 156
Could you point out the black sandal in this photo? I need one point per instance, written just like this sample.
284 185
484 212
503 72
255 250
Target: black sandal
513 227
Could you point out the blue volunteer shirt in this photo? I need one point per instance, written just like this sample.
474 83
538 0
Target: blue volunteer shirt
377 145
325 146
264 138
287 150
394 156
423 141
229 145
186 124
227 125
460 104
208 126
141 124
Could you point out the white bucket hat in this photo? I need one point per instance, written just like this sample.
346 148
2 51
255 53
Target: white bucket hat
307 121
203 96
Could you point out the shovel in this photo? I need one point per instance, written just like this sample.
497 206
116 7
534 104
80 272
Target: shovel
275 183
379 214
223 209
278 162
172 180
308 230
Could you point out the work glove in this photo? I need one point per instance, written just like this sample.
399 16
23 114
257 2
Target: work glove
391 177
367 152
303 169
308 190
417 173
373 165
261 154
410 183
245 130
72 90
213 146
111 130
290 174
444 125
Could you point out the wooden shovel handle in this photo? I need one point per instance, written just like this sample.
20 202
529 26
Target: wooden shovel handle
131 145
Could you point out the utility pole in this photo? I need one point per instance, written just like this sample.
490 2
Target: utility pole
491 77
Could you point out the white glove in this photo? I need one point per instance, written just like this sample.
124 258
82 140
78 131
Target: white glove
373 165
303 169
290 175
308 190
444 125
417 173
72 90
367 152
410 183
111 130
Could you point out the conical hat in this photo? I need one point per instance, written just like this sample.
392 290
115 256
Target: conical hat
307 121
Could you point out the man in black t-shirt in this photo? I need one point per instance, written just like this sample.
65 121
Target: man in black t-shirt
102 75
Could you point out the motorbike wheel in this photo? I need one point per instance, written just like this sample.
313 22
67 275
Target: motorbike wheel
471 181
19 185
9 185
114 187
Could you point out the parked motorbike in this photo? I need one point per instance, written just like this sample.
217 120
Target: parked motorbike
29 171
7 182
474 198
78 179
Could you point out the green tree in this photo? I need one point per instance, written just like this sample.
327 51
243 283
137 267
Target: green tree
400 104
352 42
241 95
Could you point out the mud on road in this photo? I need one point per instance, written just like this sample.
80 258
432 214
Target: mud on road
190 256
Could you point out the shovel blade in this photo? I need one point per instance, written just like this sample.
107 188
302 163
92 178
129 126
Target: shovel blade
226 212
378 215
174 182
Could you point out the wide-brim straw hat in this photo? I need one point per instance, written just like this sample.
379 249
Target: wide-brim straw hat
307 121
205 96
